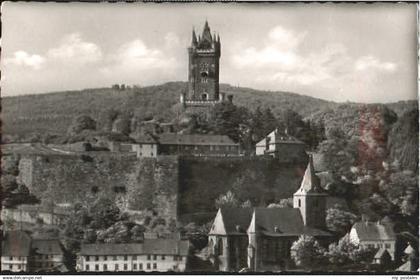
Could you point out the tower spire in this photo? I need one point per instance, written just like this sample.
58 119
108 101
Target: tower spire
194 37
310 182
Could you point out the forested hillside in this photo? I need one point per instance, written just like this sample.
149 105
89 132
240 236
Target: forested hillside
54 112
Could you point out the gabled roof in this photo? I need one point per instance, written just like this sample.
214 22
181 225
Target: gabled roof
310 182
374 231
149 246
281 222
234 221
277 137
46 246
16 243
382 252
194 139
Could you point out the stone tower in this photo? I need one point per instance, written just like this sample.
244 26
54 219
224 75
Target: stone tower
203 70
310 198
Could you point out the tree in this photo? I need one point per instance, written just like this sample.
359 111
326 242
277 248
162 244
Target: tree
339 220
307 253
345 252
283 203
228 200
80 123
103 213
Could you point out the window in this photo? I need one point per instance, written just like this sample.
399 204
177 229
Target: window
19 267
105 258
387 245
116 267
125 266
140 266
175 258
96 267
125 257
155 266
148 257
299 203
154 257
87 267
96 258
87 258
134 258
114 258
148 266
11 258
163 257
10 266
135 266
105 267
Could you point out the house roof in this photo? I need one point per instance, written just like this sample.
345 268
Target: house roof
47 246
16 243
374 231
149 246
310 182
381 253
277 137
195 139
145 138
281 222
236 220
407 266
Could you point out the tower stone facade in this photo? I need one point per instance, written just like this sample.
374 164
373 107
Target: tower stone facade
203 70
311 199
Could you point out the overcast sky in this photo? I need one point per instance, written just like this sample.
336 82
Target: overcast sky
339 52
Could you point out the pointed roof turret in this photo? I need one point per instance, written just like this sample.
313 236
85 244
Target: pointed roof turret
194 38
206 38
310 182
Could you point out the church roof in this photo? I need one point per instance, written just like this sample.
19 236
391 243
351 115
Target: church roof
278 222
236 220
374 231
310 182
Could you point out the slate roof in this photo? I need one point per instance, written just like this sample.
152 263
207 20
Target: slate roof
47 246
277 137
374 231
282 222
150 246
236 220
195 139
16 243
310 182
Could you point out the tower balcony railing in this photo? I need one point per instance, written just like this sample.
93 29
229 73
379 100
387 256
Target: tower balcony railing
201 102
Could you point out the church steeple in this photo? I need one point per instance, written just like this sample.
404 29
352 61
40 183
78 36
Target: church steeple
310 182
194 38
310 198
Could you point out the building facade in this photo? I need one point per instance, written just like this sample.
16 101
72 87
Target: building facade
15 251
47 255
260 239
186 144
378 235
152 255
281 146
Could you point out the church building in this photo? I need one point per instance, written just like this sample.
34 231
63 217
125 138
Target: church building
260 239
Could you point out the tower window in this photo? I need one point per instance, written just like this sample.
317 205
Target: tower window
204 74
299 203
204 96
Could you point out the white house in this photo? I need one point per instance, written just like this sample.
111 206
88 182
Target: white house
152 255
374 235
